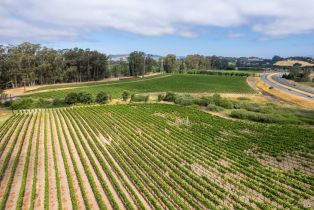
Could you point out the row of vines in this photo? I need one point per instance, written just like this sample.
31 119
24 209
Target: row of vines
148 156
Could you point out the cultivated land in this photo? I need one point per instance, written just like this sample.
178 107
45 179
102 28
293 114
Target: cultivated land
152 156
176 83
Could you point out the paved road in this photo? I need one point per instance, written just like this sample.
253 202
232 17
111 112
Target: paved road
285 88
278 78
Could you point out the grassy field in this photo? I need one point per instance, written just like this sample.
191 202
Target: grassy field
168 156
86 84
175 83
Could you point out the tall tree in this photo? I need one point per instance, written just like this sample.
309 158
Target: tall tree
136 63
170 63
150 63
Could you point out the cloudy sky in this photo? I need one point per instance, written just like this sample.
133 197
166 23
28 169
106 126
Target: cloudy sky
222 27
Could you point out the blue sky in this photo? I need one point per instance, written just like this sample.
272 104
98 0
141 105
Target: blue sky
210 27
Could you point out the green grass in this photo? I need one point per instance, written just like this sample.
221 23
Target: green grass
175 83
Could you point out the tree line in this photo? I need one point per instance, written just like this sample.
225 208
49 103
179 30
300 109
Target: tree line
29 64
139 63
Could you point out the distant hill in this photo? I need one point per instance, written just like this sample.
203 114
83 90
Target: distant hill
288 63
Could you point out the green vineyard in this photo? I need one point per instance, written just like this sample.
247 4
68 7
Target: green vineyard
181 83
152 156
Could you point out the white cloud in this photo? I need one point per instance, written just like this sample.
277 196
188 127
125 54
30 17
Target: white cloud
66 19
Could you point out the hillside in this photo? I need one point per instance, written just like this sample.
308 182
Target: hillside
289 63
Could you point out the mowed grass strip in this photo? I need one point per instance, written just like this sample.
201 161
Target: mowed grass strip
175 83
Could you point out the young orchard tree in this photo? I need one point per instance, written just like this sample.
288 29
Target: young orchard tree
102 98
125 95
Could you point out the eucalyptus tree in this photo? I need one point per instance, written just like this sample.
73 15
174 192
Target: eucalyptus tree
136 63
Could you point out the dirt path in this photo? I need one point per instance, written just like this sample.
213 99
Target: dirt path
88 189
65 192
17 180
77 190
114 193
30 173
53 199
40 186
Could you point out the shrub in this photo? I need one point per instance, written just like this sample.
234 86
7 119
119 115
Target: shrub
239 105
71 98
184 100
243 99
125 95
139 98
102 98
7 104
201 101
22 103
42 103
214 108
252 107
225 104
85 98
161 97
171 97
217 100
257 117
57 102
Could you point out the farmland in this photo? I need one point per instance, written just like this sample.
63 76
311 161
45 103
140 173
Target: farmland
112 157
176 83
